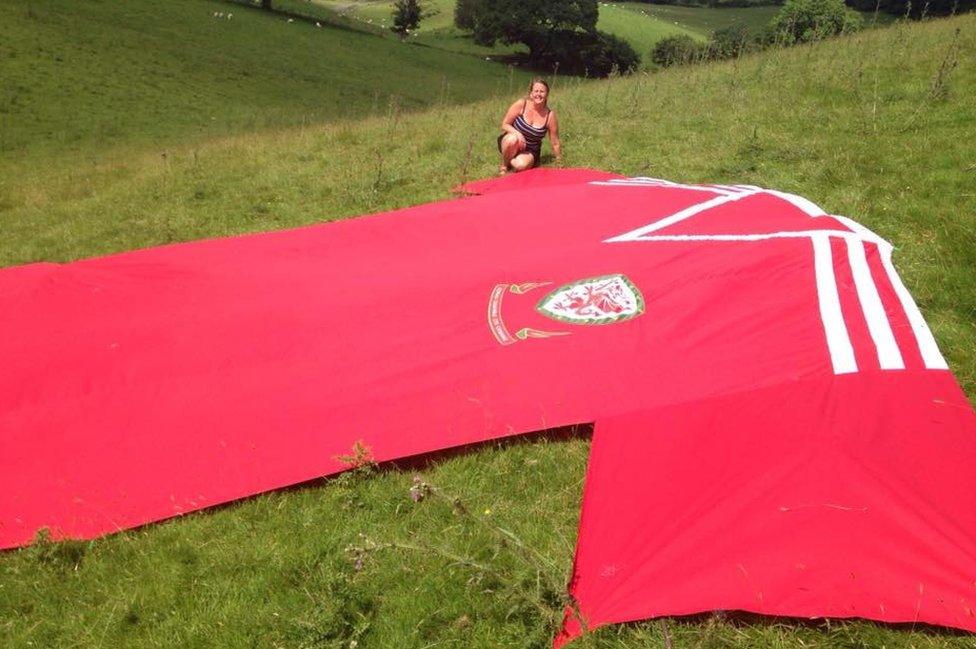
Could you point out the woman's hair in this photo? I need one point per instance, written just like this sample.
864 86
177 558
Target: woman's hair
538 80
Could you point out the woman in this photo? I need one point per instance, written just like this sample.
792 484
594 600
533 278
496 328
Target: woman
523 127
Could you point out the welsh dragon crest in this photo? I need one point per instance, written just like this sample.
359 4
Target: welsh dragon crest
594 301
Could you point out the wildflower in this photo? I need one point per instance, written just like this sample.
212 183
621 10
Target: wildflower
419 489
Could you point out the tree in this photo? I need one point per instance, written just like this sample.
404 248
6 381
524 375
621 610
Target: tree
464 13
406 16
800 21
729 42
532 22
557 32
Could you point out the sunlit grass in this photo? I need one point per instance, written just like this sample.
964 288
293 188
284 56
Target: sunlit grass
82 76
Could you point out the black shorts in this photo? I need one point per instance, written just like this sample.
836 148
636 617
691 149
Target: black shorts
535 154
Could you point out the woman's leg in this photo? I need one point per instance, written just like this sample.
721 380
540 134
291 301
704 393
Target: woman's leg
523 161
510 146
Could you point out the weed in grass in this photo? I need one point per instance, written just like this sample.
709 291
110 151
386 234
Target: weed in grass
940 83
533 582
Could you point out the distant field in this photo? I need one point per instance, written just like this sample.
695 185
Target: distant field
640 24
702 20
77 74
437 27
641 29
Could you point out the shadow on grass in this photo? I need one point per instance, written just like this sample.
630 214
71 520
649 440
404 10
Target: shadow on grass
700 623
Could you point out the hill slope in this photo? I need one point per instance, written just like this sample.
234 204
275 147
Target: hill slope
876 127
96 73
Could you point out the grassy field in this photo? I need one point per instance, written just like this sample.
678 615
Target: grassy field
640 24
77 75
877 126
702 20
641 29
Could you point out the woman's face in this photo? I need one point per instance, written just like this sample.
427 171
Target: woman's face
539 93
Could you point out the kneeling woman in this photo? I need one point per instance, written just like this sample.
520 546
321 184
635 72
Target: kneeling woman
525 124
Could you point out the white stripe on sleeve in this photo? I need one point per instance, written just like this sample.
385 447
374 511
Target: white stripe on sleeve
889 356
838 339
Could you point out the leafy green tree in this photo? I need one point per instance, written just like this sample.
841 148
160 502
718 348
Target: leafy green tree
557 32
406 16
464 13
532 22
801 21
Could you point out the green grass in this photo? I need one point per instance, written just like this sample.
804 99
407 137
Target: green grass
436 27
702 20
866 126
638 24
90 74
641 29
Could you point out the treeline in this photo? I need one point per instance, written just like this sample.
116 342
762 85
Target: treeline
908 8
914 9
562 34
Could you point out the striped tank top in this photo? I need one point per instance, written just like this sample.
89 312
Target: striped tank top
533 135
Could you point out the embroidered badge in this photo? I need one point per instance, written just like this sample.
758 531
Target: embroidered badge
594 301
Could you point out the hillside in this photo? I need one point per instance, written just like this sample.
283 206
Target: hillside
640 29
96 73
702 20
877 127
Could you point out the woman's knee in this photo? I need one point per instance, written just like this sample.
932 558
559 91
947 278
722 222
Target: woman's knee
523 162
511 142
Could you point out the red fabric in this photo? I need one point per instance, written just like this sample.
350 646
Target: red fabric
837 497
536 178
145 385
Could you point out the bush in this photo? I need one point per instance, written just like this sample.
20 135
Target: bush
729 42
801 21
606 53
594 54
676 50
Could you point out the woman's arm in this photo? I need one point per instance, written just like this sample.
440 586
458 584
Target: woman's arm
554 136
